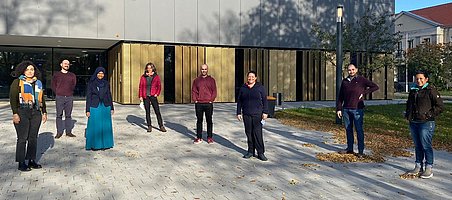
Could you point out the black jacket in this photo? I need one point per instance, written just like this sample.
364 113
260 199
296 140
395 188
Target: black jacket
93 96
252 101
424 104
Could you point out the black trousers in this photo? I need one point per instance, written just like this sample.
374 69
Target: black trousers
253 131
148 101
27 131
201 109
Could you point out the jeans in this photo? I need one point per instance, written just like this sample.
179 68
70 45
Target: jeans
27 134
354 117
422 134
200 109
64 103
148 101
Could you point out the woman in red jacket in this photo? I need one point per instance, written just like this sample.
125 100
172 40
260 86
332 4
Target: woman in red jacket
148 92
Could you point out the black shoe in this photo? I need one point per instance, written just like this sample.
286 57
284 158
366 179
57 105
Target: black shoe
162 128
70 135
58 135
149 128
32 164
361 155
248 155
345 151
23 167
262 157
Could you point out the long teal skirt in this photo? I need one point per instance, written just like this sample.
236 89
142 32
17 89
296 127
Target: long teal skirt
99 131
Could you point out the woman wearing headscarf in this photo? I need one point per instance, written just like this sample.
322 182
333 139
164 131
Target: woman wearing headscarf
148 91
99 109
424 104
29 110
252 107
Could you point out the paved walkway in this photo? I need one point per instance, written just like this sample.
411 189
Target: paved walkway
168 166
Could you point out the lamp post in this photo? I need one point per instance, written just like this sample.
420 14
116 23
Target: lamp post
406 62
340 10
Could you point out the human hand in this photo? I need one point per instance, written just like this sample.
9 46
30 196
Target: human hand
16 118
112 112
88 114
264 116
339 114
141 98
44 118
361 96
239 117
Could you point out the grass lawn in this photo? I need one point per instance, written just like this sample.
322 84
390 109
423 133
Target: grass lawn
386 130
446 93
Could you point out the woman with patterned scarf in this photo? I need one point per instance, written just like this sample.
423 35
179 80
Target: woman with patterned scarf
29 110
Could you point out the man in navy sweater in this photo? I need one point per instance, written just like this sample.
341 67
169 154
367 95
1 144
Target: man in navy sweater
350 105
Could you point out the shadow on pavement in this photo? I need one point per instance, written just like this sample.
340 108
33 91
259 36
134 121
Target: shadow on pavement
45 142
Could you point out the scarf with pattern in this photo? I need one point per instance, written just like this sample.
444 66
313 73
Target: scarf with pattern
31 92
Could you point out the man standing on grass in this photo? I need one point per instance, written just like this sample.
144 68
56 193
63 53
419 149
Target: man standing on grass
63 85
350 105
203 93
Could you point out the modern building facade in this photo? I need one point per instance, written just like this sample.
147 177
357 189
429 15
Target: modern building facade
272 37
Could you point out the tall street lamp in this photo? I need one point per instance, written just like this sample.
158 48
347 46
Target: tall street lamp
340 10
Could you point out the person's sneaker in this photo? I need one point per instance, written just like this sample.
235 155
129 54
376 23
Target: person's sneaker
361 155
210 140
197 141
70 135
58 135
162 128
417 169
428 173
345 151
262 157
149 129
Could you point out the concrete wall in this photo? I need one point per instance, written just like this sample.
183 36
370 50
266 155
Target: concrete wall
262 23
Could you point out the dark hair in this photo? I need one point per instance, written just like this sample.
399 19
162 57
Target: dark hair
21 67
356 66
425 73
154 69
252 72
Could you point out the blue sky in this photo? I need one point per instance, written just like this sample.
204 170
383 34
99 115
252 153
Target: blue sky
407 5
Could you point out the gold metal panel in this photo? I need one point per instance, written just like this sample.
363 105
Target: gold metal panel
390 82
230 69
316 75
125 73
305 75
330 80
378 78
133 70
186 89
273 68
322 77
292 76
265 78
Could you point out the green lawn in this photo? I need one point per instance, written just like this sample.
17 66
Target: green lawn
381 120
446 93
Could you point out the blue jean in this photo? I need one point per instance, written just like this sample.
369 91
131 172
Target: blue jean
354 117
422 134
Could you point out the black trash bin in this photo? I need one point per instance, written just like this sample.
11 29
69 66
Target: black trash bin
278 97
271 106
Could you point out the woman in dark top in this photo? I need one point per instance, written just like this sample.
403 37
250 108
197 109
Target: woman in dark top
99 108
148 91
252 107
423 105
29 110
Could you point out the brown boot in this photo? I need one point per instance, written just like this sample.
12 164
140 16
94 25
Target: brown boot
149 128
162 128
